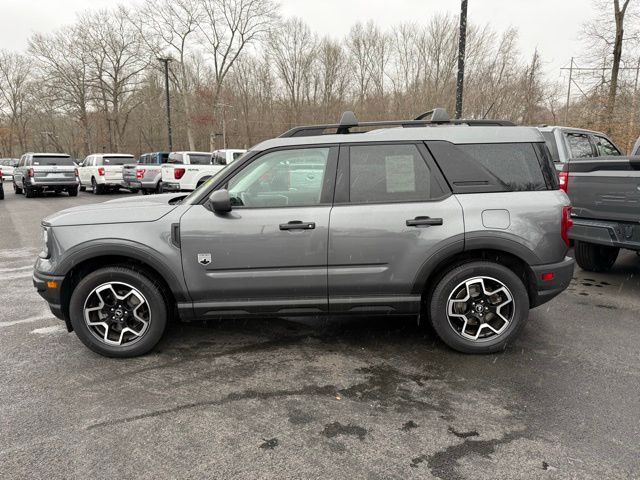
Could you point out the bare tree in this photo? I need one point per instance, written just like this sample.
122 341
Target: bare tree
15 93
118 58
65 69
230 27
168 27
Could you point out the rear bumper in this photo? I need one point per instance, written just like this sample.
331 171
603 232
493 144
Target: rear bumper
135 184
54 184
544 290
602 232
171 187
51 295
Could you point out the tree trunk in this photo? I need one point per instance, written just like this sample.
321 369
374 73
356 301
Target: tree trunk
615 69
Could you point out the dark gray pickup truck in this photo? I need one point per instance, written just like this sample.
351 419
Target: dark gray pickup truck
605 195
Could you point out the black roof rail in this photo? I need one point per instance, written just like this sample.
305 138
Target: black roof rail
437 116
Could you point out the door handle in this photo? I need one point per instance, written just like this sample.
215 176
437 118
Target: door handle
419 221
297 225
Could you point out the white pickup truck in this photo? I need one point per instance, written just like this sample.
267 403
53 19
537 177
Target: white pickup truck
103 171
186 171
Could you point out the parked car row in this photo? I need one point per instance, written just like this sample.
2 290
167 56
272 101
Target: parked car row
36 173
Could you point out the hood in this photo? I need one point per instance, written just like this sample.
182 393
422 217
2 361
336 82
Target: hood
123 210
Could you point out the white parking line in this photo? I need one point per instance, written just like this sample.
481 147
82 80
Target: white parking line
26 320
49 330
16 269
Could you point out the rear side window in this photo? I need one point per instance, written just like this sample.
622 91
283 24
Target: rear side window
579 145
389 173
44 160
492 167
199 159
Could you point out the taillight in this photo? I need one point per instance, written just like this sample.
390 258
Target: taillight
30 172
178 173
564 180
566 224
139 173
101 171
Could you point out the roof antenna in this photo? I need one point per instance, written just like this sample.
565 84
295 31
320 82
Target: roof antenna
347 121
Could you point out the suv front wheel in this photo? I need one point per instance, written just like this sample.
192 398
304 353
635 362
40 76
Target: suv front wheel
478 307
118 312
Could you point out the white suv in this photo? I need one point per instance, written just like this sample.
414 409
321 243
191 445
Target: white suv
103 171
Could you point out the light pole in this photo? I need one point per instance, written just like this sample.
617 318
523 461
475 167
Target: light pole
166 61
224 106
462 42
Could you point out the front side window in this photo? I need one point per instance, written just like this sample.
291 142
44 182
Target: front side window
286 178
389 173
579 145
605 147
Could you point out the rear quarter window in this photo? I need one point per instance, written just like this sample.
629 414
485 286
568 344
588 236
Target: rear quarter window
494 167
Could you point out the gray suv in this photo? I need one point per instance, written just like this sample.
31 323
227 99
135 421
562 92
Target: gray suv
459 222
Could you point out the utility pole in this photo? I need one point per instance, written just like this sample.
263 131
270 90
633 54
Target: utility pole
462 43
166 61
223 106
566 112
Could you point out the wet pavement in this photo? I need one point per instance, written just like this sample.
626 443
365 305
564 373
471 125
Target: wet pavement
317 398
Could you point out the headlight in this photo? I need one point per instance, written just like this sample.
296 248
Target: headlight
44 253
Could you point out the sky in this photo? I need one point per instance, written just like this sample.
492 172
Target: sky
552 26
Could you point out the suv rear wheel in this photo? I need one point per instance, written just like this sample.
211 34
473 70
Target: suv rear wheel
478 307
95 188
595 258
118 312
17 189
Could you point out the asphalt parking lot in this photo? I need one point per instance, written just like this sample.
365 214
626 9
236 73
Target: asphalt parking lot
341 398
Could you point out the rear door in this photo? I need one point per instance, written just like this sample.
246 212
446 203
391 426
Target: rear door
392 212
269 254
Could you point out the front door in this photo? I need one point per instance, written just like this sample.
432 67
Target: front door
269 254
393 213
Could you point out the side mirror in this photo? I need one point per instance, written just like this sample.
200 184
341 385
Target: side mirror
220 202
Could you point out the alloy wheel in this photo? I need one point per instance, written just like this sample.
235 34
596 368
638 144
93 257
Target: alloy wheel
117 313
480 308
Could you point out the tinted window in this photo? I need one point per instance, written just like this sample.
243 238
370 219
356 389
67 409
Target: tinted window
200 158
163 158
287 178
52 160
389 173
237 155
219 159
490 167
605 147
117 160
550 140
579 145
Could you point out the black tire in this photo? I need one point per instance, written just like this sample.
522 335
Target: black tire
595 258
17 189
1 192
146 191
149 289
95 188
83 188
448 284
134 190
159 187
29 192
73 191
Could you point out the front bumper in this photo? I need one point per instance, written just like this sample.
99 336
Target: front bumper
602 232
544 290
52 295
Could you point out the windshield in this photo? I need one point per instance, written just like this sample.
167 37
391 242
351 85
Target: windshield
52 161
118 160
